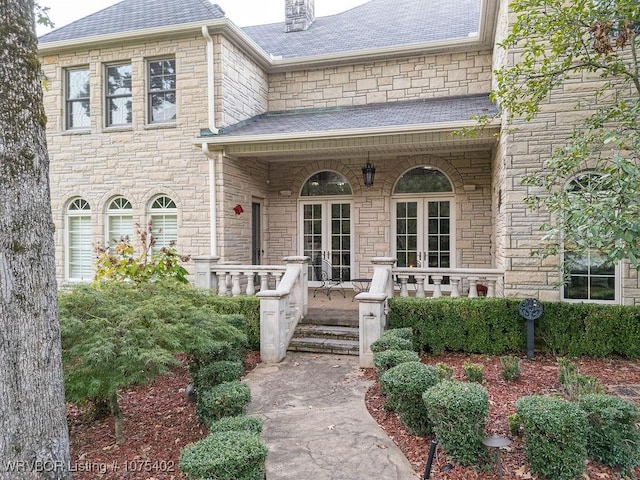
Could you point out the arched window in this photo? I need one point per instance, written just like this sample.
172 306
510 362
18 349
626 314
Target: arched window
163 215
326 183
79 244
423 180
119 221
590 276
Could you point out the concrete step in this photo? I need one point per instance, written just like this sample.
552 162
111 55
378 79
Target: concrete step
325 345
326 331
329 316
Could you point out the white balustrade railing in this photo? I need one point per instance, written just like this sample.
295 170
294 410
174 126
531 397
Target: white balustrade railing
233 279
454 281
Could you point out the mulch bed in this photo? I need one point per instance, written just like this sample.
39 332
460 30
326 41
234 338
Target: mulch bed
538 376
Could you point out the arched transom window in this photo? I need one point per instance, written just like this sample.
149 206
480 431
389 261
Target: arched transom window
423 180
326 183
163 215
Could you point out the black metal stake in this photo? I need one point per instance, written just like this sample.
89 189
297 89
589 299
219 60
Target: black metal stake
530 339
530 309
432 452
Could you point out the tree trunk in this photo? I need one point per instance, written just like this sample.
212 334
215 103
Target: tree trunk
34 442
117 418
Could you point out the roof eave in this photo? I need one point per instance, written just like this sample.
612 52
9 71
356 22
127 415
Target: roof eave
221 140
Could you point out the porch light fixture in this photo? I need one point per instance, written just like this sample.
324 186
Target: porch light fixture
368 173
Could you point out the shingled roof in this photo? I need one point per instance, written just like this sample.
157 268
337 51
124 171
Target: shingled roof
131 15
375 24
391 114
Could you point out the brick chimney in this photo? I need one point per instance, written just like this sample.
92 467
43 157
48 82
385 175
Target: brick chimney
299 15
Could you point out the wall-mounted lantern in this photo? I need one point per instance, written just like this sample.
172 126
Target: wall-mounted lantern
368 173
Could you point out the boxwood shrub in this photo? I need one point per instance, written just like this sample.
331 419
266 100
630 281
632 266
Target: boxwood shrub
225 400
225 455
404 385
391 342
614 435
494 326
238 423
555 436
459 413
212 374
383 361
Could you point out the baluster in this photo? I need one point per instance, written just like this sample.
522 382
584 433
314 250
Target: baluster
251 289
264 281
437 284
235 281
278 276
404 292
455 286
222 283
491 287
473 287
420 279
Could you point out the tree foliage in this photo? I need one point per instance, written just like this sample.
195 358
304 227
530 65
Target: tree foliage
594 44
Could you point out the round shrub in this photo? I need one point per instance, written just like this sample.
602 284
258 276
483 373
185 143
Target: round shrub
233 455
404 385
212 374
555 436
238 423
225 400
459 411
614 435
383 361
391 342
403 332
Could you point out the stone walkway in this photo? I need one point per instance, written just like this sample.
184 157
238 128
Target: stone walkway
316 424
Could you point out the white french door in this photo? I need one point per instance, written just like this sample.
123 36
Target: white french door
424 232
326 237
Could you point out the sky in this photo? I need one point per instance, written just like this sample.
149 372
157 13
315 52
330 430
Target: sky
241 12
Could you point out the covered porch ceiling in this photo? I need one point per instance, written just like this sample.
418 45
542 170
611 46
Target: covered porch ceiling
398 128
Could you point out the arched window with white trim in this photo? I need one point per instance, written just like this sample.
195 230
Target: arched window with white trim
79 248
589 275
163 215
119 221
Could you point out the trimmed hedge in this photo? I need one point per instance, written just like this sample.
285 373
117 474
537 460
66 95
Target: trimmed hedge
212 374
614 436
242 423
225 400
391 342
555 436
494 326
383 361
226 455
404 385
459 413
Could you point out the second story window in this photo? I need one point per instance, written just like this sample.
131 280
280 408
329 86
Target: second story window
77 98
118 95
162 91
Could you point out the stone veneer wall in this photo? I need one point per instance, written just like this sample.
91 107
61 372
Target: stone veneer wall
137 162
383 81
372 215
241 85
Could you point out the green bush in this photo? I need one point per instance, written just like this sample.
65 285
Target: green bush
225 400
445 372
614 434
573 383
555 436
225 455
514 424
391 342
212 374
458 411
387 359
404 385
510 367
406 333
238 423
474 372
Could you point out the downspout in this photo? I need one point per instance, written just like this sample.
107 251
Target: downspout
213 208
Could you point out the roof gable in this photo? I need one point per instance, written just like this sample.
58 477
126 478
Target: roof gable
131 15
375 24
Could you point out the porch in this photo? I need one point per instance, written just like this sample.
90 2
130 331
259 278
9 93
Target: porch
287 300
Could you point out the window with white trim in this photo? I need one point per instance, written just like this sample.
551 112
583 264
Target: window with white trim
77 99
590 276
161 96
163 215
119 222
79 247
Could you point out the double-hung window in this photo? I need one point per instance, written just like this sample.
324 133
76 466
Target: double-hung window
161 95
119 222
77 99
79 251
118 95
163 216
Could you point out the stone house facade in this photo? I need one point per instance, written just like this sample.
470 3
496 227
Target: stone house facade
250 144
